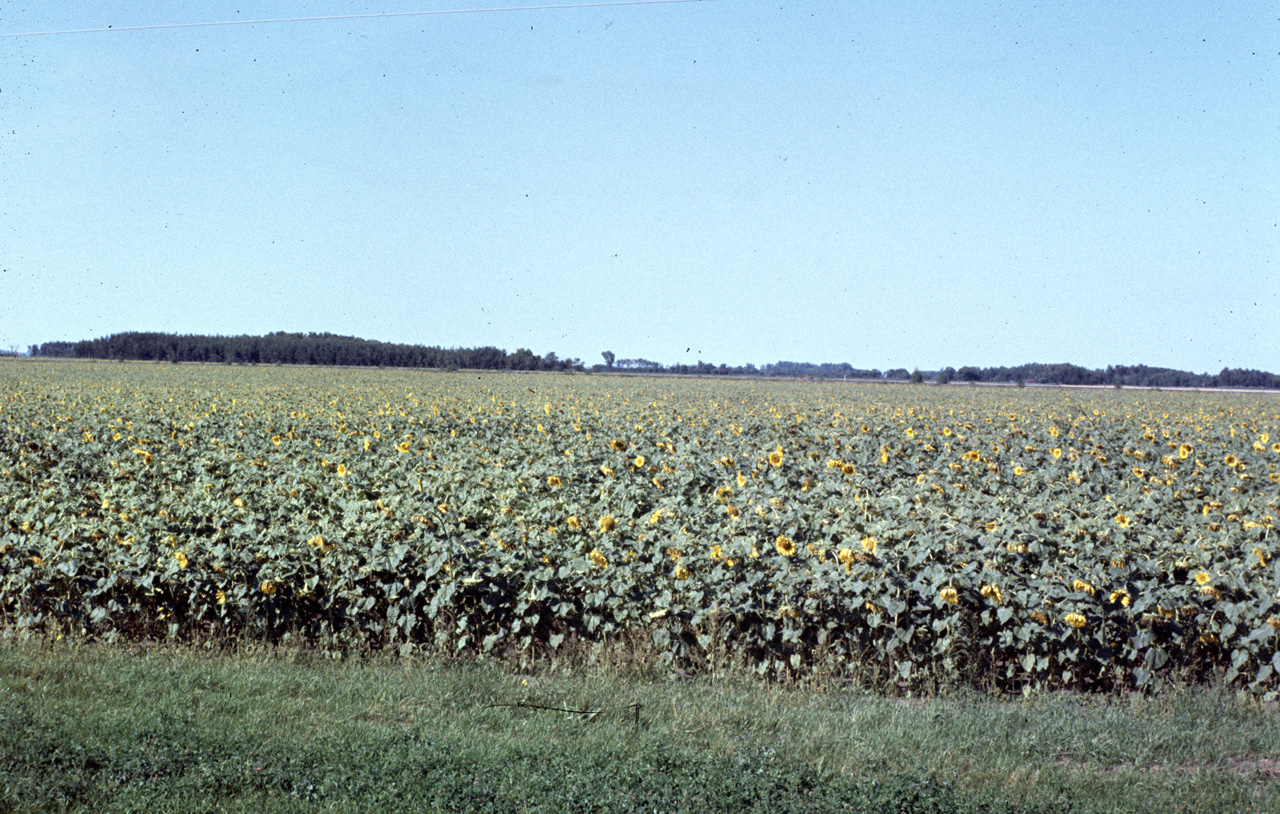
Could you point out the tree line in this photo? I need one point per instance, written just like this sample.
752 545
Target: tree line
298 349
331 349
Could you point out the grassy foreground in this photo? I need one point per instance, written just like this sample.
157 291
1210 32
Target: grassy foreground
100 728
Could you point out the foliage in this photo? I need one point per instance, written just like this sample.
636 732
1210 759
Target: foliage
1009 538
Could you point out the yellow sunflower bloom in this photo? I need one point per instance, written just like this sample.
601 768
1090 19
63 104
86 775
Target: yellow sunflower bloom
786 547
607 523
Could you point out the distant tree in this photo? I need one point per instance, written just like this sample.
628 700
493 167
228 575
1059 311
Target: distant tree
608 359
916 376
944 375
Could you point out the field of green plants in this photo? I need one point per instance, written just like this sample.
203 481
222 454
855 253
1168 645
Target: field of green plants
992 537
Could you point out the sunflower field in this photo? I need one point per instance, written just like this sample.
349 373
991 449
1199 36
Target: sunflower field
988 536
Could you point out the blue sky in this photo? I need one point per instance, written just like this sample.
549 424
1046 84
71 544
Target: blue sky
884 184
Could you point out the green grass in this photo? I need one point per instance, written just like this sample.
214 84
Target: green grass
98 728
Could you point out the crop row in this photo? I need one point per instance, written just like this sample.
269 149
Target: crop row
1008 538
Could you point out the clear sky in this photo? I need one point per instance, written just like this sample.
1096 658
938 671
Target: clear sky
881 183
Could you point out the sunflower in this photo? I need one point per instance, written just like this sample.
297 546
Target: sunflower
1076 620
342 470
949 595
993 593
682 573
845 556
221 597
1121 596
849 470
1203 578
607 523
1056 452
268 588
553 481
599 559
1122 520
869 545
618 444
1184 451
1083 587
775 458
786 547
722 494
733 511
403 446
638 462
181 558
573 523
